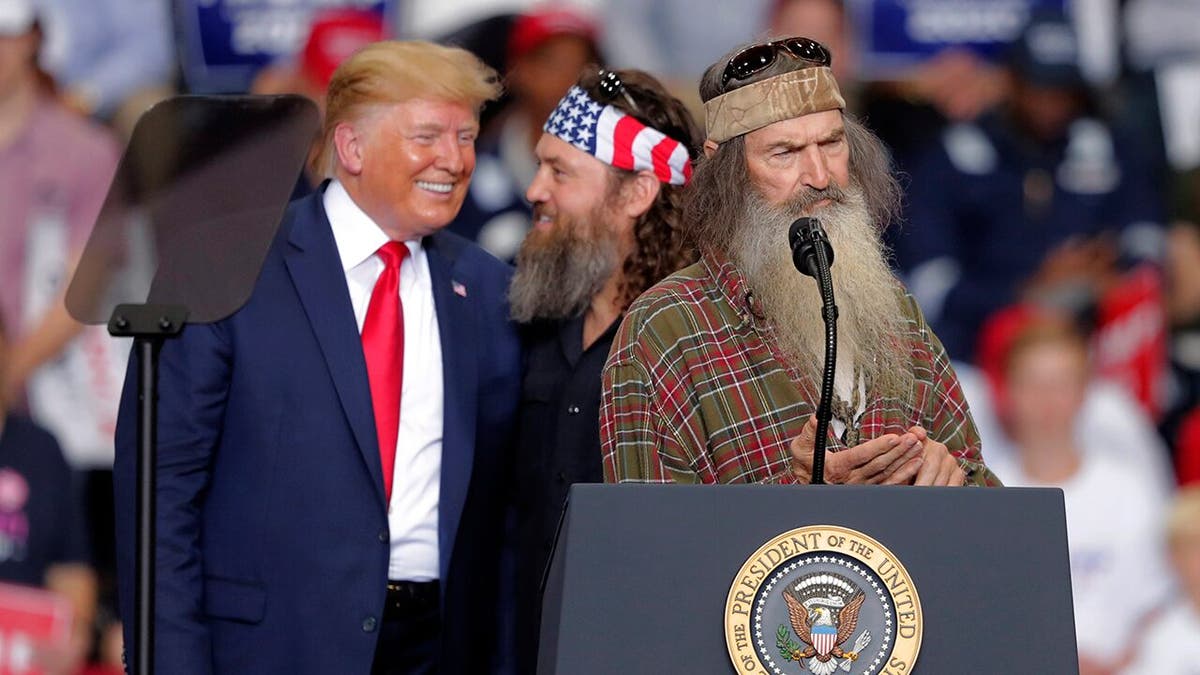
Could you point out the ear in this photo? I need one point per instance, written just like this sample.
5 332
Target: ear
639 194
348 141
710 147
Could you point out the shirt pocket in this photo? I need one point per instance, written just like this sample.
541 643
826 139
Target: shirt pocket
234 600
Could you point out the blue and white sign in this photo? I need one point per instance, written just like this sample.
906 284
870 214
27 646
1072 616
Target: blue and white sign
223 43
894 34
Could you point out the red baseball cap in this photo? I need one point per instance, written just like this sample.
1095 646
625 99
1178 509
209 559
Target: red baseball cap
533 28
333 37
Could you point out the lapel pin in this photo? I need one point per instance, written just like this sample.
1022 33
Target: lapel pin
459 289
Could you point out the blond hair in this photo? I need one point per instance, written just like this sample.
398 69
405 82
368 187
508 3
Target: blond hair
394 71
1183 520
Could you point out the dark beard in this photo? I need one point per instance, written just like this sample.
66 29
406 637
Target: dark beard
559 271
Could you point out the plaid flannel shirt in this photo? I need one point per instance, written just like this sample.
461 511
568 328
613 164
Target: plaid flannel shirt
697 391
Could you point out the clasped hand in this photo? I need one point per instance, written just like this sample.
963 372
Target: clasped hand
911 458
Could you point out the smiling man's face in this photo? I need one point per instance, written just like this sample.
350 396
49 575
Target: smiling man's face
417 163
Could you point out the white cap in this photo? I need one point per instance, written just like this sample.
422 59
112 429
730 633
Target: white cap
16 16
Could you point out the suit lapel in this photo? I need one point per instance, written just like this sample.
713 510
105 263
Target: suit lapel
457 325
313 263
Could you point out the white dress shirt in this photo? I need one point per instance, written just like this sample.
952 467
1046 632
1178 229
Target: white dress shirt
416 479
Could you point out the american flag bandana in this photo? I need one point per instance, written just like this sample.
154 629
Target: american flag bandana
618 139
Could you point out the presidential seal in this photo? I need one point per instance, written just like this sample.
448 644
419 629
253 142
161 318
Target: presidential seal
824 600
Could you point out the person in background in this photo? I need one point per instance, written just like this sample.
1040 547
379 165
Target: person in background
827 22
334 35
111 58
1040 200
1046 374
909 106
675 38
43 540
1110 419
1170 644
1181 421
55 168
604 230
548 46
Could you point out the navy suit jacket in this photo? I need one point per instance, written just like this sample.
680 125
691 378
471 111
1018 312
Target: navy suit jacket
272 528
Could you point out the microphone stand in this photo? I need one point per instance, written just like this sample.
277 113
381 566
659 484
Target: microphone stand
812 255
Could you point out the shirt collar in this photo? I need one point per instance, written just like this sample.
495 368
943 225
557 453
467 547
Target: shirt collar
570 338
356 235
732 285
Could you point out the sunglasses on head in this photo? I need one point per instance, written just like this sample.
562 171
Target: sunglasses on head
611 86
759 57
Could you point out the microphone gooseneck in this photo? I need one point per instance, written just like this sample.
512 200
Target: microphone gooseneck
813 255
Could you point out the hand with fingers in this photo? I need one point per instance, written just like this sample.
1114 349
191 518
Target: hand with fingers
939 467
892 459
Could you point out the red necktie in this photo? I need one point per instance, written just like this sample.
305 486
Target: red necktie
383 346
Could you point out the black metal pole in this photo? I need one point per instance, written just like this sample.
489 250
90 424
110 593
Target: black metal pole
829 313
149 326
143 595
812 255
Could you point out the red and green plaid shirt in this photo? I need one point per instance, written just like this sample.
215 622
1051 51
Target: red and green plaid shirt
696 390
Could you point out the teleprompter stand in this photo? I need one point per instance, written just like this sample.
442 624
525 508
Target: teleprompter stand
185 227
149 326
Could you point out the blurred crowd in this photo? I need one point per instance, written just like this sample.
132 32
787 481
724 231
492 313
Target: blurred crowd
1051 236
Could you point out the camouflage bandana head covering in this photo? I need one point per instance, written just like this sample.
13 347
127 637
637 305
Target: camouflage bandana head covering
754 106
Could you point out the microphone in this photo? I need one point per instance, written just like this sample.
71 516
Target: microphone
805 236
812 255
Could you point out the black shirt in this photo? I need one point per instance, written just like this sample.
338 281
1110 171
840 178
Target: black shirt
558 444
41 518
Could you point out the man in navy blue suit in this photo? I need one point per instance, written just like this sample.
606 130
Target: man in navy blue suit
327 492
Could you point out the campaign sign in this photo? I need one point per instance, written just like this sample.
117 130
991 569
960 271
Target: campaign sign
223 43
895 34
29 618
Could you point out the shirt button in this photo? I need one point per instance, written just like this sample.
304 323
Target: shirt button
368 624
572 410
383 536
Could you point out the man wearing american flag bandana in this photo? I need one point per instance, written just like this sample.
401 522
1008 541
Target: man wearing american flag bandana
715 372
619 139
612 165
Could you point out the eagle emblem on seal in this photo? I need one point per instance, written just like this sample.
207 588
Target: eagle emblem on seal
823 613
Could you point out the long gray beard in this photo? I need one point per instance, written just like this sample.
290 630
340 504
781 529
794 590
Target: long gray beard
559 272
871 326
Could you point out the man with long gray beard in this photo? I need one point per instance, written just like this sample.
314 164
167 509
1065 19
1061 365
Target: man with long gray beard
714 376
607 200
